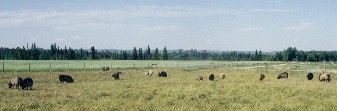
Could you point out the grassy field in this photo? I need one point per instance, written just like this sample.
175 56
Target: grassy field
241 90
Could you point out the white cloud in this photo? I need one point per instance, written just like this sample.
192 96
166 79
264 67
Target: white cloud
209 40
60 39
87 17
250 29
161 28
76 37
275 10
301 27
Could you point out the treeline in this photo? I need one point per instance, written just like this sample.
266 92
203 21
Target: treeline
67 53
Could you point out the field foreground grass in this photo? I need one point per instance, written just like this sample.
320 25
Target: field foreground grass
179 91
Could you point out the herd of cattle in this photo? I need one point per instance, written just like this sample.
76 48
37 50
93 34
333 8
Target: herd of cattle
27 83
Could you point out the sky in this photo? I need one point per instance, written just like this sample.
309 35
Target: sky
228 25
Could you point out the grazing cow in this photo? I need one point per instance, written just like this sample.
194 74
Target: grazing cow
199 78
66 78
324 77
162 74
222 76
10 85
105 69
310 76
211 77
15 82
116 75
149 73
27 82
283 75
262 76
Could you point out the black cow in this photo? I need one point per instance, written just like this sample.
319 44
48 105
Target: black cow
116 75
262 76
66 78
283 75
162 74
211 77
27 82
310 76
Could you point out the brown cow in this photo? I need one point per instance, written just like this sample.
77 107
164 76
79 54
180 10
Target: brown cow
199 78
324 77
15 81
222 76
283 75
262 76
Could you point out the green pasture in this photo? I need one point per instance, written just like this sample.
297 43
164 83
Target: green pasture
95 65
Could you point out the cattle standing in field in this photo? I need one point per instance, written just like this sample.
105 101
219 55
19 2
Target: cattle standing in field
211 77
66 78
310 76
16 81
324 77
262 76
283 75
104 69
27 83
200 78
162 74
116 75
222 76
149 73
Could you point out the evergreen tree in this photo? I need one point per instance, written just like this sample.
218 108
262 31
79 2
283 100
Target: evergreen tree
93 53
156 54
134 54
165 55
140 54
148 53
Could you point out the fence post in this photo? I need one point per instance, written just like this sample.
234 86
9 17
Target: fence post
134 66
324 65
28 67
68 67
3 66
266 67
49 67
257 67
84 66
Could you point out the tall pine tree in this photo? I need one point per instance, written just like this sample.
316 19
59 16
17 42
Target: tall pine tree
134 54
140 54
165 55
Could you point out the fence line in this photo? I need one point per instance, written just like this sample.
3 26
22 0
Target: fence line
226 66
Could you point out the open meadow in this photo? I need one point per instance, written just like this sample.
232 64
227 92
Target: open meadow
240 90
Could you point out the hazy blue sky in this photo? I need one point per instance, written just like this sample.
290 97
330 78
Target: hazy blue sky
245 25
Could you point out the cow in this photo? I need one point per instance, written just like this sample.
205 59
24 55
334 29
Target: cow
324 77
149 73
222 76
283 75
116 75
262 76
200 78
211 77
66 78
162 74
105 69
310 76
26 83
15 81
